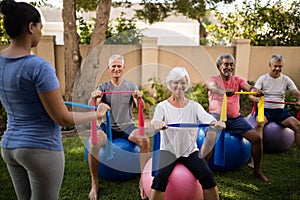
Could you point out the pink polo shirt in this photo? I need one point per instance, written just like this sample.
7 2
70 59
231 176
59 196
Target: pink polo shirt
233 102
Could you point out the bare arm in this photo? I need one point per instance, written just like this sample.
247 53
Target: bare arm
249 88
58 112
296 93
211 86
211 137
159 125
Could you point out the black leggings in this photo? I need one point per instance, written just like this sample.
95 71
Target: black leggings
195 163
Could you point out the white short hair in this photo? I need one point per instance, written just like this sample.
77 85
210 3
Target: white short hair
115 57
176 74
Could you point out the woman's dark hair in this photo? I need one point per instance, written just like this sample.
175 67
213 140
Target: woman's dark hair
17 16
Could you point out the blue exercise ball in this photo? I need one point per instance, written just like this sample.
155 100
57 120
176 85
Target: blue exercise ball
125 163
230 151
276 138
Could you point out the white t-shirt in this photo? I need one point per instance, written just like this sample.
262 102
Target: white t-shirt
275 88
180 141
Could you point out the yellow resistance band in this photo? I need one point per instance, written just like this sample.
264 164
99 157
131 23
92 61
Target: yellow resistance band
245 93
260 114
223 116
260 109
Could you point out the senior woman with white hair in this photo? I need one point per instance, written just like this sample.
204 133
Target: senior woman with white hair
179 144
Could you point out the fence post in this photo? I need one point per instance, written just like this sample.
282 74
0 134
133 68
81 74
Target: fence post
46 49
242 57
149 60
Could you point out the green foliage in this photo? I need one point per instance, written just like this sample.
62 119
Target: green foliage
199 94
119 31
149 101
266 24
156 11
3 36
161 90
86 5
85 30
246 105
123 31
293 109
3 119
153 12
196 92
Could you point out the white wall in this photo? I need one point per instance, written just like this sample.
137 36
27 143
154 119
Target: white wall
175 30
173 33
54 28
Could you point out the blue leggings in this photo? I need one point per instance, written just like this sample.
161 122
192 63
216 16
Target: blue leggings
36 173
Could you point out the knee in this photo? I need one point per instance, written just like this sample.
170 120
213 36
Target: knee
159 183
100 143
211 135
260 125
255 138
208 182
297 129
144 143
94 149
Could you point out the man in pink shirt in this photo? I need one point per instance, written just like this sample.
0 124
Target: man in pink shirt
236 124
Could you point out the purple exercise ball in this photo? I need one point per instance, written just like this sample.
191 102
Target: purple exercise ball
276 138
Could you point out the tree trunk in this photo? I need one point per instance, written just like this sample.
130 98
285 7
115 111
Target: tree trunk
202 32
87 79
102 18
71 46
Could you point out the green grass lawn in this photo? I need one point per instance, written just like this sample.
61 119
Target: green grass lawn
283 169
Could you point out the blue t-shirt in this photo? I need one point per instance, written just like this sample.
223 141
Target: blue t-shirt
28 124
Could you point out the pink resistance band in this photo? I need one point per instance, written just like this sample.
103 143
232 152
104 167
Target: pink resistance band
141 118
278 102
140 110
254 108
118 92
275 102
94 138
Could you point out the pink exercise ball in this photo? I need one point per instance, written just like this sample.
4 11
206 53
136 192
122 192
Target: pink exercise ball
276 138
182 183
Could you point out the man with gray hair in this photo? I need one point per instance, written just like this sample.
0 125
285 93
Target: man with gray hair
275 85
121 119
227 83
